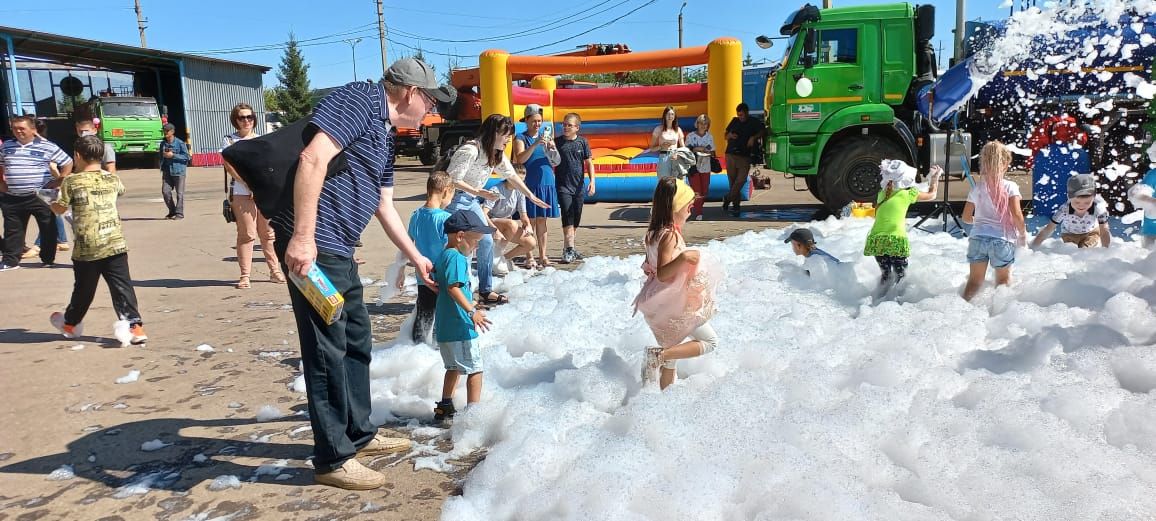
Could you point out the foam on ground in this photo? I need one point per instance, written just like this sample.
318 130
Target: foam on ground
1032 402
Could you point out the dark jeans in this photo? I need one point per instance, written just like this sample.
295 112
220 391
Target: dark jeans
888 265
336 361
17 210
61 234
173 190
423 320
87 275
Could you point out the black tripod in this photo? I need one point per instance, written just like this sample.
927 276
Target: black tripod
943 207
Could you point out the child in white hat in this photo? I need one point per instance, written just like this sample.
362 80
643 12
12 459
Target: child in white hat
887 241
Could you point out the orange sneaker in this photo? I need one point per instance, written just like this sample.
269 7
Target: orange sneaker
57 321
138 335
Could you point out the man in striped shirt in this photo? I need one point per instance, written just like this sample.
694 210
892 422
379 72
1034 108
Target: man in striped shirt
323 226
24 170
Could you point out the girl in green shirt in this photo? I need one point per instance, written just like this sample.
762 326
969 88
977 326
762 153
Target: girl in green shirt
887 241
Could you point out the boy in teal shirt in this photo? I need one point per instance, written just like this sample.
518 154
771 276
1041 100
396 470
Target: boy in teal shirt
457 318
427 230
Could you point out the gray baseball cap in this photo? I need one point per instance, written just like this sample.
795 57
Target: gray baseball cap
414 72
1081 184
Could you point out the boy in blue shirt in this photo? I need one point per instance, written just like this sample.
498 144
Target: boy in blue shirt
458 319
426 229
803 243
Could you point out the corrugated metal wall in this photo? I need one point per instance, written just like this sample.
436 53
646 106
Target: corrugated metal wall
211 91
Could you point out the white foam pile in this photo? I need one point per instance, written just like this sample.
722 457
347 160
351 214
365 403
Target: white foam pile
1032 402
268 413
129 378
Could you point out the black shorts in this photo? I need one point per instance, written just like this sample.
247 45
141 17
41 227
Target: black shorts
571 207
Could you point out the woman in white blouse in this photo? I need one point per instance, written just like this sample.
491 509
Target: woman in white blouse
471 167
251 225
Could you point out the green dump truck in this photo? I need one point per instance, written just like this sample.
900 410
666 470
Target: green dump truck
131 124
845 95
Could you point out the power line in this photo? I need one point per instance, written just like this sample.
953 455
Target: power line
538 29
588 31
356 31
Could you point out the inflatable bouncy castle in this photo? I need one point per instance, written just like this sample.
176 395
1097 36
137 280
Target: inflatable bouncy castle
617 121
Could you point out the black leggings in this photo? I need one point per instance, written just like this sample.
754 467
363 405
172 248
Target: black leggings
889 264
571 207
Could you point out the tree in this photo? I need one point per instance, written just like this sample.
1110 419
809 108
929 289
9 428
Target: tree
453 62
748 60
271 100
696 75
293 96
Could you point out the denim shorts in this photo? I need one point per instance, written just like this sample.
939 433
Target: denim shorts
463 356
1000 252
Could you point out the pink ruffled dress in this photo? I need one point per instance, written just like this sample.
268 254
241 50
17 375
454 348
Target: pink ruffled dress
675 308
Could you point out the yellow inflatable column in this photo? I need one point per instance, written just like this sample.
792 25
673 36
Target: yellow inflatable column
496 83
724 76
548 84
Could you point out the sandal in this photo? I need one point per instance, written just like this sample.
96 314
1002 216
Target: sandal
545 262
243 283
277 277
493 299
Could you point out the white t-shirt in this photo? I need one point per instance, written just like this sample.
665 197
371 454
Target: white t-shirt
702 162
239 188
471 167
987 223
1071 223
509 202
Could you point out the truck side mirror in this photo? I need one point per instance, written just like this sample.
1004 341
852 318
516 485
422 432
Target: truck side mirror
809 48
764 42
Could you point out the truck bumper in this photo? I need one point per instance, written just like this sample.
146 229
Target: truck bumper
136 147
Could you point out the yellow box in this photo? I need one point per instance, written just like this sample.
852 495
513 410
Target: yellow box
862 210
317 288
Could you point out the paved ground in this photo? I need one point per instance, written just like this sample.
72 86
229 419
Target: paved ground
63 407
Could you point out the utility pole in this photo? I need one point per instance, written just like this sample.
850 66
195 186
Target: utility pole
353 47
381 34
826 4
140 24
681 70
960 8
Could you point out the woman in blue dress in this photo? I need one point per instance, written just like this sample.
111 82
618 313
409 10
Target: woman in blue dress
535 151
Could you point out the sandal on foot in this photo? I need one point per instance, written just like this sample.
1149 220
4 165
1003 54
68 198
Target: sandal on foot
493 299
277 277
243 283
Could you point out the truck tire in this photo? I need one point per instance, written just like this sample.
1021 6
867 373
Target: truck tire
429 156
850 169
814 186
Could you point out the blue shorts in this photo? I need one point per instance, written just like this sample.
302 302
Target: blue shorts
1000 252
463 356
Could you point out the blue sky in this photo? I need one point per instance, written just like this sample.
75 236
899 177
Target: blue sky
219 24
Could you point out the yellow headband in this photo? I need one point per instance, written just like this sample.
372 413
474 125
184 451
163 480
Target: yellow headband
683 196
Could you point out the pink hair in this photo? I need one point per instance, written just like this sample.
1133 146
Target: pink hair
994 160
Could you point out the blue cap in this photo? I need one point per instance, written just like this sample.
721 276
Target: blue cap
466 221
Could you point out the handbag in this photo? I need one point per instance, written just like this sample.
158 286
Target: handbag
227 204
715 164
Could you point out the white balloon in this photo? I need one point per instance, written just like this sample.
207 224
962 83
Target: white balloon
804 87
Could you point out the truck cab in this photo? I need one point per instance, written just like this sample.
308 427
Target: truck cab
132 125
843 98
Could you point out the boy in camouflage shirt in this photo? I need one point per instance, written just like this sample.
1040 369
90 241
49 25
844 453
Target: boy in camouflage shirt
100 249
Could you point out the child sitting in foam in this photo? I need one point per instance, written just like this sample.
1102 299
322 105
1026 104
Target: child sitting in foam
1083 219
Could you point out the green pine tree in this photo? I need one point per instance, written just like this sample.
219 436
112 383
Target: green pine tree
293 95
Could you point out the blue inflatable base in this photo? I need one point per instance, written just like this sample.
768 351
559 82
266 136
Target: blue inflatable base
640 189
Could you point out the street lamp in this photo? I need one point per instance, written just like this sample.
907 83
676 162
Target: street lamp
353 47
681 70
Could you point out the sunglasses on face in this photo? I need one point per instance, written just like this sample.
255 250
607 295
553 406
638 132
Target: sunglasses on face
249 117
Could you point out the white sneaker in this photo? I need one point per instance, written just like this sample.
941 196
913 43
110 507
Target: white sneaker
698 217
57 321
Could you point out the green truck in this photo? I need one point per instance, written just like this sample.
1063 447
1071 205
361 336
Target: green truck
845 97
131 124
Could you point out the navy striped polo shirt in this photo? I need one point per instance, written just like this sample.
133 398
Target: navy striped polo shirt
26 166
355 116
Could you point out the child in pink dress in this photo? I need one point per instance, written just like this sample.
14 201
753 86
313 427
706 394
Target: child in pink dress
677 299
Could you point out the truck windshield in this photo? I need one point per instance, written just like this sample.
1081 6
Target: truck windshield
142 110
787 50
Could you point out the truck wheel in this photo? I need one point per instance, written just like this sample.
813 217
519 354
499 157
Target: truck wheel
814 186
850 169
428 156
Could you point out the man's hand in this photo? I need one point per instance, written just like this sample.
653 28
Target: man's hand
424 270
301 254
481 323
52 167
590 188
168 154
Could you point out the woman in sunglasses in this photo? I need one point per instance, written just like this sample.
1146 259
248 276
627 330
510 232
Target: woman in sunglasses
251 225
